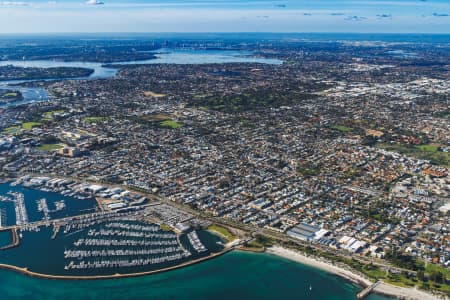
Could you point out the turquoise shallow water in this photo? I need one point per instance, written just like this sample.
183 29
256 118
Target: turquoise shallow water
236 275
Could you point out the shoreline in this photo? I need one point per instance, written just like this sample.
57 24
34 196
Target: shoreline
344 272
27 272
383 288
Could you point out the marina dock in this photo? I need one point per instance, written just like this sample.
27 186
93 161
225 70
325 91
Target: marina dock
56 228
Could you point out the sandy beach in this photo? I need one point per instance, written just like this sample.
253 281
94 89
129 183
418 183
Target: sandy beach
383 288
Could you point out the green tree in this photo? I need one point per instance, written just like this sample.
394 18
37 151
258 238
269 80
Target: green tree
437 277
421 275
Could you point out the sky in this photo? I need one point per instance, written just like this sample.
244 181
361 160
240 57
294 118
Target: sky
96 16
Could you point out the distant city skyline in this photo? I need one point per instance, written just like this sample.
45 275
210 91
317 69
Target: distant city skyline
359 16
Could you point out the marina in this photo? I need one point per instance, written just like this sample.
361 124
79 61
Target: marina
79 253
22 204
58 222
43 207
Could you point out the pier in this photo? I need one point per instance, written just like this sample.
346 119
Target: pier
21 211
2 218
43 207
56 228
365 292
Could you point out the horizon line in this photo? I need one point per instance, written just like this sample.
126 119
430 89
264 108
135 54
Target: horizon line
224 32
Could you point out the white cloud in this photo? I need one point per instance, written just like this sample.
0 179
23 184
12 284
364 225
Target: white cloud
94 2
13 3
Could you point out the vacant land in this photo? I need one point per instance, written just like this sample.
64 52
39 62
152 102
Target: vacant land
153 94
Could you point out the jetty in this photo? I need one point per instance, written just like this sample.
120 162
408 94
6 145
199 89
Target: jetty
365 292
15 240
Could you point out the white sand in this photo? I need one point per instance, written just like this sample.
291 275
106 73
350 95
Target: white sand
383 288
404 293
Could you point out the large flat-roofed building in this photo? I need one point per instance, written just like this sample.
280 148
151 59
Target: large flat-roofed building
352 244
303 232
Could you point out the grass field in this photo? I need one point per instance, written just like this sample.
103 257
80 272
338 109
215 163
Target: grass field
12 129
429 152
165 227
10 95
401 279
30 125
222 231
435 268
374 272
253 246
342 128
49 114
157 117
49 147
25 126
92 120
428 148
170 124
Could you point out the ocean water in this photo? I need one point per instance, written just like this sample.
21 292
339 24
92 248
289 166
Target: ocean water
236 275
